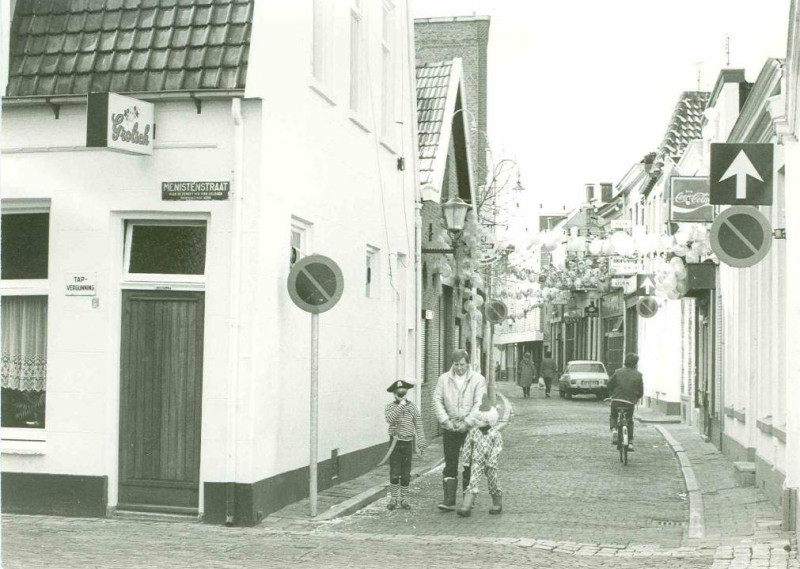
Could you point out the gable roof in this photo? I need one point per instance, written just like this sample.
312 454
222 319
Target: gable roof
64 47
685 125
439 86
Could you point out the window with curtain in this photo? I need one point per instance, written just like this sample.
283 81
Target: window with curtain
23 317
24 360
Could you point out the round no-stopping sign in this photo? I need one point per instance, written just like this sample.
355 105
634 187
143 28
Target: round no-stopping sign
741 236
496 311
647 307
315 283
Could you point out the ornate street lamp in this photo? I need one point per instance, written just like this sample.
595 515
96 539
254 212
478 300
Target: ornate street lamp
454 212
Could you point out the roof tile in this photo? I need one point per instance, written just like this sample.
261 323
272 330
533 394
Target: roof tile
71 43
108 40
180 37
85 62
125 40
111 20
184 16
129 19
66 64
64 84
139 60
144 39
79 46
174 80
166 17
119 81
161 37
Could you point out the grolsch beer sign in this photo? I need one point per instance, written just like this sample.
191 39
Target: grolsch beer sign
690 200
119 123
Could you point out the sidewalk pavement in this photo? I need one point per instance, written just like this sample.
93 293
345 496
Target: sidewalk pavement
347 497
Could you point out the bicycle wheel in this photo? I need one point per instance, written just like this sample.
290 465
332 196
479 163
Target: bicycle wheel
620 445
624 444
623 451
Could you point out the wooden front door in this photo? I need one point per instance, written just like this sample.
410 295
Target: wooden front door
160 400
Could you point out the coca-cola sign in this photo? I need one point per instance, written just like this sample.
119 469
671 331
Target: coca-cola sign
119 123
690 200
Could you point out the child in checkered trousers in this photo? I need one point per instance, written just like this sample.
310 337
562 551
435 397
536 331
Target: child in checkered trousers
480 452
405 430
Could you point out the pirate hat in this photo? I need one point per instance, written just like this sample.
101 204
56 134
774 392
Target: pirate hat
398 384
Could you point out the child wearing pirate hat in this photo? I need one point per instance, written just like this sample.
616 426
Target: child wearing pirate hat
406 434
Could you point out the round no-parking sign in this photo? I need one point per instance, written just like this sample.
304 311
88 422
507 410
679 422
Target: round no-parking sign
647 307
741 236
315 283
496 311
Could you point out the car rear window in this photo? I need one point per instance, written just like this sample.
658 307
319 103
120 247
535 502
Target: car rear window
591 368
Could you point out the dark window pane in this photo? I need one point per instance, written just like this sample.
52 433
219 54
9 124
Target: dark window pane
168 249
23 409
24 245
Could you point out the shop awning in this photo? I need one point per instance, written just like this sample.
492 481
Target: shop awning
518 337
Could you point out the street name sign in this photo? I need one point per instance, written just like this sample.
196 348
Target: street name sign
315 283
195 191
496 311
645 285
647 307
741 174
741 236
622 266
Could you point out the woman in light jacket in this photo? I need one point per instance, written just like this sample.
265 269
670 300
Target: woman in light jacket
456 400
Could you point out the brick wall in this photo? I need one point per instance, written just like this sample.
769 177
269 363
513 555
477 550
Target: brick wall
468 38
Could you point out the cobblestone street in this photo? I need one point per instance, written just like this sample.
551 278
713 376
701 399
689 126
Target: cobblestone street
568 503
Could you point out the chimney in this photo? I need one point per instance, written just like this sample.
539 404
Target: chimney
589 192
605 192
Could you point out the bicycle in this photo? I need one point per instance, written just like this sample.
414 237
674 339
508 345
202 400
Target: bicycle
622 430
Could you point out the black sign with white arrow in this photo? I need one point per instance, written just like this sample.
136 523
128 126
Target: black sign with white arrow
741 174
645 285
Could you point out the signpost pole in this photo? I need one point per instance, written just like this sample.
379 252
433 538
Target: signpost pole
312 467
490 365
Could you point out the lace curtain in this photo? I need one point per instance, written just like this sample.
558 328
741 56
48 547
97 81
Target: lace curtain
24 342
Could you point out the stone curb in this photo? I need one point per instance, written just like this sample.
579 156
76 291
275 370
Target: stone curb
368 496
697 529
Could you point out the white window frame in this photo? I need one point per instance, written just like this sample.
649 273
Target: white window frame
372 268
302 228
154 281
357 36
388 71
16 440
321 65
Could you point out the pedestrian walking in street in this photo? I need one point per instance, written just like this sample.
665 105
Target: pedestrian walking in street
526 374
406 433
480 452
627 384
456 399
548 371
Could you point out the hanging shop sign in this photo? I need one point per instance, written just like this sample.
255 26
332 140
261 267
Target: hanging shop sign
80 284
623 266
195 191
690 200
620 225
741 236
741 174
119 123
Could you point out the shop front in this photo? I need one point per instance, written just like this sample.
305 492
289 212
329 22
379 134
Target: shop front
613 330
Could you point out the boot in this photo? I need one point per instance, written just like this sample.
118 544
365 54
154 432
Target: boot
497 504
394 492
466 508
449 486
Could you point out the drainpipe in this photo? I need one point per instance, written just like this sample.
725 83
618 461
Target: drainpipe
412 110
235 308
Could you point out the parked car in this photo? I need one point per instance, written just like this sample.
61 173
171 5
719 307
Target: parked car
583 377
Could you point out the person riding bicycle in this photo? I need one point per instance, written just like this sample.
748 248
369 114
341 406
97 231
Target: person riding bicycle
626 384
